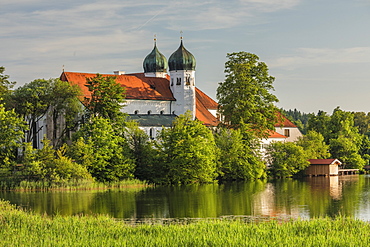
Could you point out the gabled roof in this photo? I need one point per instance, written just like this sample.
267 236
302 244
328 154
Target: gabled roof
137 85
203 115
324 161
273 134
206 100
283 121
157 120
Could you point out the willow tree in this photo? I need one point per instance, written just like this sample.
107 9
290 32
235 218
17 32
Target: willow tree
244 98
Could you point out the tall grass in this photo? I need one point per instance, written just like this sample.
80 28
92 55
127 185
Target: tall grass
19 228
26 185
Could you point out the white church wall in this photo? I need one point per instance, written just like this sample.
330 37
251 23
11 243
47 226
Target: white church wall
183 88
292 133
144 106
152 132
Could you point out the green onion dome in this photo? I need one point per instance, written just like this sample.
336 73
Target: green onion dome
181 59
155 61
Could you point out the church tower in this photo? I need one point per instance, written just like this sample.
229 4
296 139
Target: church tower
182 80
155 63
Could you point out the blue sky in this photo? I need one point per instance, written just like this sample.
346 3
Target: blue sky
318 51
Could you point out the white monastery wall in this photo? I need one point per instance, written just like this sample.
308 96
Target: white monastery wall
291 132
144 106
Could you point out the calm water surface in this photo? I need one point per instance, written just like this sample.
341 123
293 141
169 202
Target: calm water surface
311 197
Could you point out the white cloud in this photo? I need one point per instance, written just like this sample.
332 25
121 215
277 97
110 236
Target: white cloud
304 57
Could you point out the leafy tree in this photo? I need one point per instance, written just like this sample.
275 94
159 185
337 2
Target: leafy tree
107 97
346 150
189 152
320 124
5 84
244 97
144 154
362 122
11 134
286 159
343 137
65 105
109 155
300 119
237 160
314 145
35 99
51 165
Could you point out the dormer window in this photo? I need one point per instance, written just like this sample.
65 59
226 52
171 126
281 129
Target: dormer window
287 132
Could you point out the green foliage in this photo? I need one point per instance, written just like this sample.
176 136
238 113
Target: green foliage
188 152
107 97
35 99
5 84
51 165
346 150
286 159
145 156
300 119
112 159
11 134
343 137
237 159
314 145
320 124
362 122
244 97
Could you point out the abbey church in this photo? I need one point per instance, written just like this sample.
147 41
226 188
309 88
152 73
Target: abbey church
165 90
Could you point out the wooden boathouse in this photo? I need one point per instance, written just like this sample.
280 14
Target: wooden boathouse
323 167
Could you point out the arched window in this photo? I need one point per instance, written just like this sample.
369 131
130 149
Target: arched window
149 112
136 112
187 79
178 82
151 133
171 81
162 112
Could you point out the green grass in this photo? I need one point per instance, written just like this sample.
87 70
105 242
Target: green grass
19 228
25 185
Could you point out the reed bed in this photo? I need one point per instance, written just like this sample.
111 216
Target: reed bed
25 185
20 228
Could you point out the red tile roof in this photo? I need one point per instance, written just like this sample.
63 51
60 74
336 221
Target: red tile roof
273 134
206 100
203 115
148 88
137 85
283 121
323 161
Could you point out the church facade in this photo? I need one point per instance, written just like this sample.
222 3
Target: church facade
165 90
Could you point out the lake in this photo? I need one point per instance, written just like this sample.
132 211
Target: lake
285 198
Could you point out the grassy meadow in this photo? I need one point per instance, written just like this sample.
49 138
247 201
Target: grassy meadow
14 185
20 228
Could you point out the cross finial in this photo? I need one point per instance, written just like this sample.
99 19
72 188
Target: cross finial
155 38
63 67
181 34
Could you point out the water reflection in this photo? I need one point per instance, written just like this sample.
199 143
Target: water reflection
311 197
